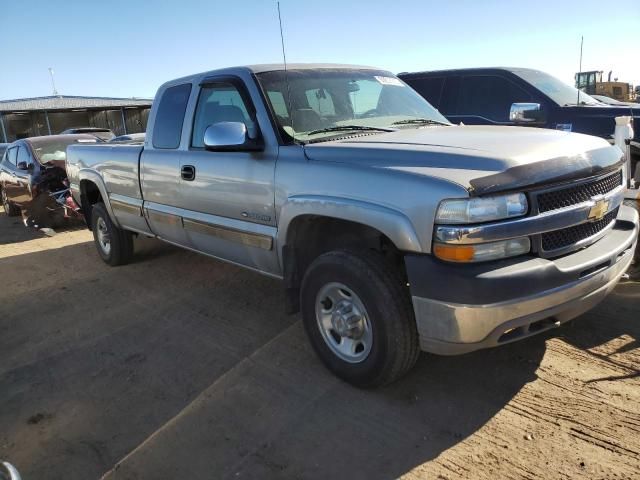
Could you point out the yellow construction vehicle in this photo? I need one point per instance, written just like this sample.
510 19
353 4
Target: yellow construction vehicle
591 83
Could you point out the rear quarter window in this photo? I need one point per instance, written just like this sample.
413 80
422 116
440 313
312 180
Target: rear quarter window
167 129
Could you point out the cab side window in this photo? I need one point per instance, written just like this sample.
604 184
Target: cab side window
489 96
167 130
220 102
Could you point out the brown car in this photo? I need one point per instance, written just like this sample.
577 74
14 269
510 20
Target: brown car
33 180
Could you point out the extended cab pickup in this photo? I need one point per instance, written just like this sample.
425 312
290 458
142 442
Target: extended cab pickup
393 230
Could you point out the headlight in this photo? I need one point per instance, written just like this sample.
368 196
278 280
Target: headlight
482 209
482 252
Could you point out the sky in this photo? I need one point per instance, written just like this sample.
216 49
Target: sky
127 48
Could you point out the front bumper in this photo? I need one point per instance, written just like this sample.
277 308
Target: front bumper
462 308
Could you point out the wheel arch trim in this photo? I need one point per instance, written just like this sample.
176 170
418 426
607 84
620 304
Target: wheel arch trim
95 178
392 223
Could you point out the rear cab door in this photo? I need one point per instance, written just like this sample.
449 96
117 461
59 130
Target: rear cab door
160 164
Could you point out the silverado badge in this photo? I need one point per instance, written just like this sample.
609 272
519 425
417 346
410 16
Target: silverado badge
599 210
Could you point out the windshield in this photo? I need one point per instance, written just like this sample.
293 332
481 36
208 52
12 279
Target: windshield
54 151
558 91
328 102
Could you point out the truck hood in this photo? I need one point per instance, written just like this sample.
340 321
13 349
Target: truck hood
482 159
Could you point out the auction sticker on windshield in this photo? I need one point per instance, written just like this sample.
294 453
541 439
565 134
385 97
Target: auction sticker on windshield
389 81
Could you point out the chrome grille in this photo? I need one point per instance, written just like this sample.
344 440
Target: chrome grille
573 195
560 239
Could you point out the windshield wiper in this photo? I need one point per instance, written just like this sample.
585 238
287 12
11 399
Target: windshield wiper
343 128
418 121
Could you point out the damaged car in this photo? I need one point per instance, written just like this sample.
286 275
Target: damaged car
33 180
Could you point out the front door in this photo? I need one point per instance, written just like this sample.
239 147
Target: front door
227 198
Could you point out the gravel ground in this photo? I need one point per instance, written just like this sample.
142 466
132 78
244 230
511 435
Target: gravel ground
179 366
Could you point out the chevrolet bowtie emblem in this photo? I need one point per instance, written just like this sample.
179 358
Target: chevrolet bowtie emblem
599 210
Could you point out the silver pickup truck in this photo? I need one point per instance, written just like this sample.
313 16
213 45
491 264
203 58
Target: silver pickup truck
393 230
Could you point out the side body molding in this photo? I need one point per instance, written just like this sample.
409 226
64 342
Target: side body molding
392 223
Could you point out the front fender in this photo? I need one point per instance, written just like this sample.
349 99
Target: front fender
95 178
395 225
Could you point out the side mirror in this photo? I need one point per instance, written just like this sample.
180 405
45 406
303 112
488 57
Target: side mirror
525 113
230 137
24 166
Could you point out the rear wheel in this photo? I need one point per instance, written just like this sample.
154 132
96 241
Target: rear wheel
9 208
358 316
114 245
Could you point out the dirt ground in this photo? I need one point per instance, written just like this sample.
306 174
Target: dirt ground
180 366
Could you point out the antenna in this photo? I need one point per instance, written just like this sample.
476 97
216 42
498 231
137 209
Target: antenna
53 83
286 73
580 70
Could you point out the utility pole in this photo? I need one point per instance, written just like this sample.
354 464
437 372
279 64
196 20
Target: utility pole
53 83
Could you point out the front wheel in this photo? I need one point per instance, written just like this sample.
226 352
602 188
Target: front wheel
114 245
9 208
358 316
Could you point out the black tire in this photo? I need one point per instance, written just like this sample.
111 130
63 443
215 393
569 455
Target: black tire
120 241
386 299
9 208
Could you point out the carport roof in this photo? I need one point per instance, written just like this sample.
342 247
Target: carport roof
65 102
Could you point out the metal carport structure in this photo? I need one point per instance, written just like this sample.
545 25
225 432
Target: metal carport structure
29 117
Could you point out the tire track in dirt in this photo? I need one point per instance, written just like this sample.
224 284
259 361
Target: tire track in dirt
559 425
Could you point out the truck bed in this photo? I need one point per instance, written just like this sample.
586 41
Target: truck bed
119 166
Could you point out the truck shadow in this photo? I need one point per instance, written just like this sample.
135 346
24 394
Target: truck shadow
13 230
98 360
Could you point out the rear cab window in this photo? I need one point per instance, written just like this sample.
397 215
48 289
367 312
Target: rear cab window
167 129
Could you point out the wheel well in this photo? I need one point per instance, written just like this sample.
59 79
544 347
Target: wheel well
309 236
89 196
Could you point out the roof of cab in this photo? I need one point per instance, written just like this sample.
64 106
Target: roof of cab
266 67
449 71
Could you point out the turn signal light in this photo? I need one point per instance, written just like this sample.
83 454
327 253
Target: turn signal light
481 252
454 253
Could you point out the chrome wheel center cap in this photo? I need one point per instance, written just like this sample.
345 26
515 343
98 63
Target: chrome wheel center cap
347 320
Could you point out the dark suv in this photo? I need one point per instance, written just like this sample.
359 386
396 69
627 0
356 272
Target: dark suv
518 96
